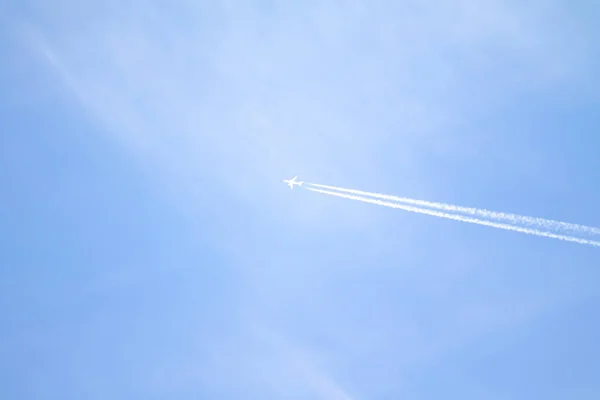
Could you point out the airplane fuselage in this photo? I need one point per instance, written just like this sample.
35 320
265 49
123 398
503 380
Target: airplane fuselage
292 182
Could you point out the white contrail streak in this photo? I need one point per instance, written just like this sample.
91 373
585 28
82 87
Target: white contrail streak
461 218
482 213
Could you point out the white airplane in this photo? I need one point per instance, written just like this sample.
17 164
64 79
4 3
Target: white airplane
292 182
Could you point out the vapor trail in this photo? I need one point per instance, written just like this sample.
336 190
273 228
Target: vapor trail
482 213
461 218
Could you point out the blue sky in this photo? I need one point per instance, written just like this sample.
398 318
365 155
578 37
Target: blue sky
150 250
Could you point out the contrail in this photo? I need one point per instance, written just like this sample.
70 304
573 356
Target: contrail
482 213
461 218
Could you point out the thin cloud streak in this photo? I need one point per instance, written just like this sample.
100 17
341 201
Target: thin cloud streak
477 212
461 218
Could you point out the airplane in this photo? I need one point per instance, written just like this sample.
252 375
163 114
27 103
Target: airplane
292 182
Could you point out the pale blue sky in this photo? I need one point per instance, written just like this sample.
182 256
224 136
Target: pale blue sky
150 250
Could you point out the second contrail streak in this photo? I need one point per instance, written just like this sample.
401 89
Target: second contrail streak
476 212
457 217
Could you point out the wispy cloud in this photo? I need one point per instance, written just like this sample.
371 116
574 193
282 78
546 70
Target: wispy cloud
268 364
285 88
